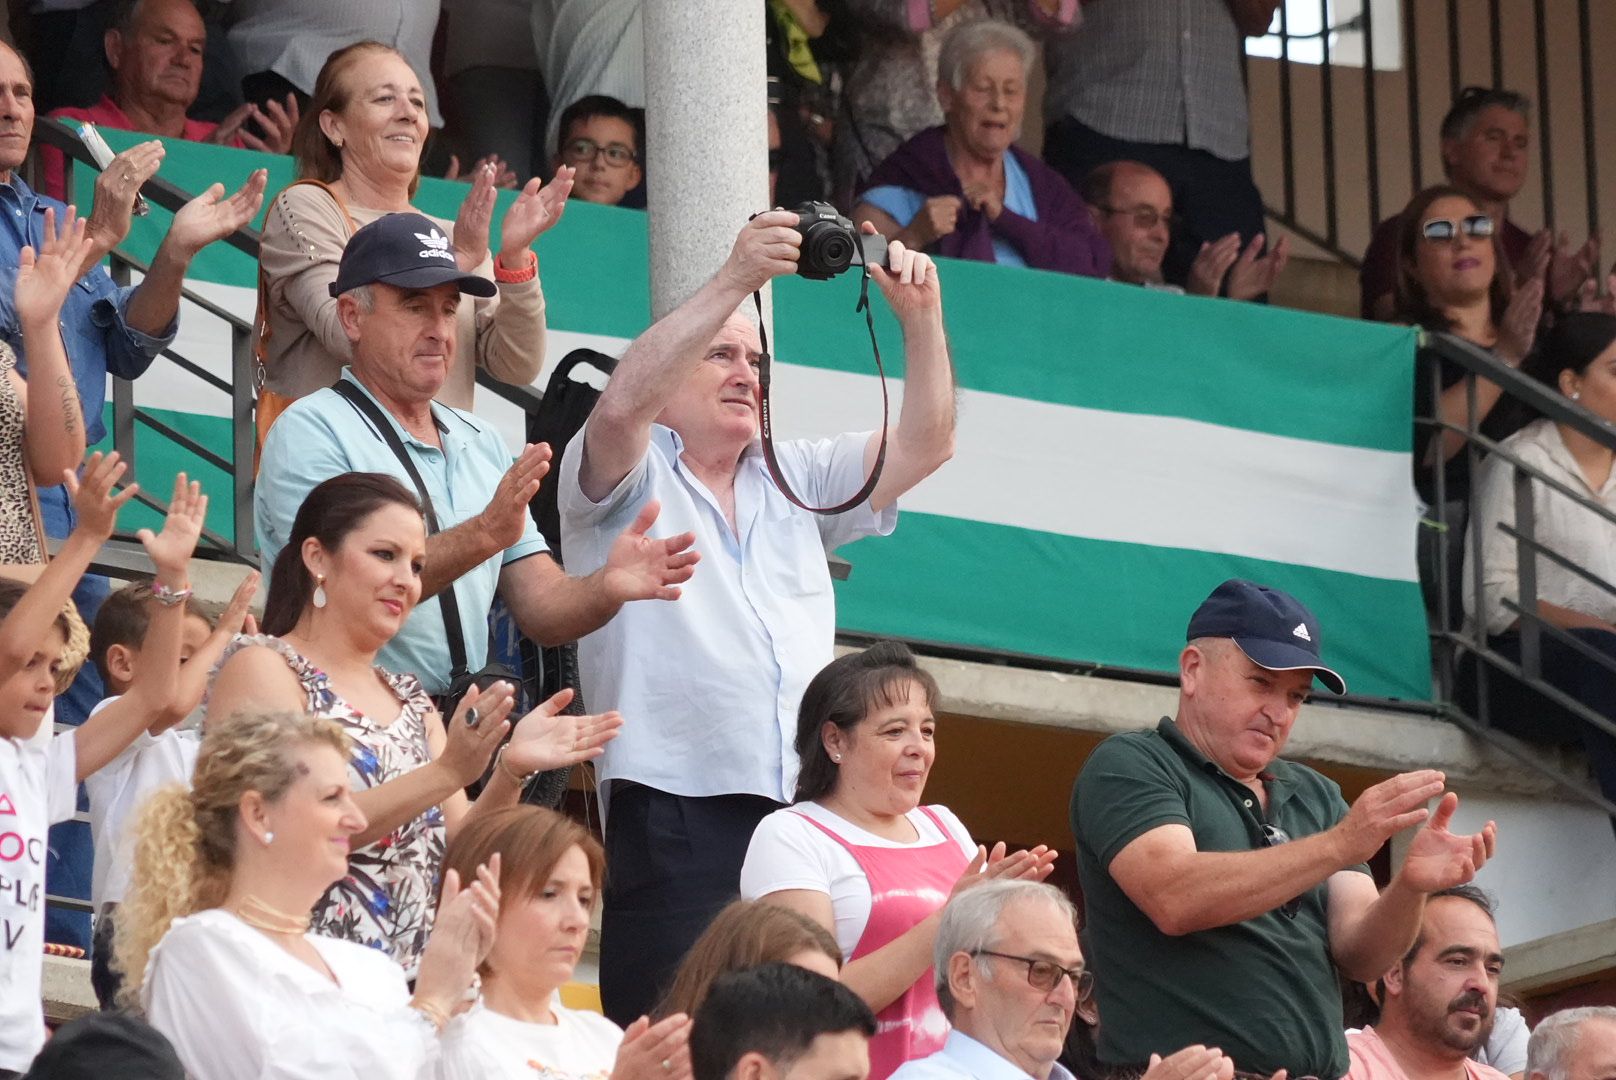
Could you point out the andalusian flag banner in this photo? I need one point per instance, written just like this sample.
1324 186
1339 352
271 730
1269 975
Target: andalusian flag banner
1120 452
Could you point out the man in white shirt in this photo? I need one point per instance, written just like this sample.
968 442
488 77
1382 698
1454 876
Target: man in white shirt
1010 975
714 689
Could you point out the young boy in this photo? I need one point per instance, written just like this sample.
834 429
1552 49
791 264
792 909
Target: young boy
164 753
38 781
600 138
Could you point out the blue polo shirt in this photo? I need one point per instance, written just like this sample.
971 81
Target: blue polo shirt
323 435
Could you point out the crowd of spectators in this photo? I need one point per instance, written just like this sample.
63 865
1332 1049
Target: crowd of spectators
312 854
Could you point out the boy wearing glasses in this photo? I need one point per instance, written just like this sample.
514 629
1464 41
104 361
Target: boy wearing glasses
600 137
1225 886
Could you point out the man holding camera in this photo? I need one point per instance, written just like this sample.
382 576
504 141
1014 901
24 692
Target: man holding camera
714 687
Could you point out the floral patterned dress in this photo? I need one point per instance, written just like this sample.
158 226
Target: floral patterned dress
387 899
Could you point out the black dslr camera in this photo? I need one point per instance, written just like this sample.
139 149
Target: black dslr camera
831 243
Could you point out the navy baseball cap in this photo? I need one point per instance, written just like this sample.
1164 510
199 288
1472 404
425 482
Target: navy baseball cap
406 250
1272 628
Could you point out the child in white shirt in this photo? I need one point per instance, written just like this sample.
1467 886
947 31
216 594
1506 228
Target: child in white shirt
38 780
164 753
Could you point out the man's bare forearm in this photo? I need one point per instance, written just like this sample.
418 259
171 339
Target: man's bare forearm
453 552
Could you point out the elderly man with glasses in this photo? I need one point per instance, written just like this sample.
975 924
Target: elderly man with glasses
1133 206
1225 886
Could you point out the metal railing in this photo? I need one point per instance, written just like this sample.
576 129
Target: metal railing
1351 144
125 558
1467 659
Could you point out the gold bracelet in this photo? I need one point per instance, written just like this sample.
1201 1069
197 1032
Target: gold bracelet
499 763
434 1015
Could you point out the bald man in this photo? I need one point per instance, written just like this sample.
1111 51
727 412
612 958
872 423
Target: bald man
1133 206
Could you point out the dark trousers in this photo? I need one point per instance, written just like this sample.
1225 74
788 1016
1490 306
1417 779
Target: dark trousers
672 862
1523 712
1211 197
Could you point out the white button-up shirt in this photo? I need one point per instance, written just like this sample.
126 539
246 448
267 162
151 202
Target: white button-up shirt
963 1058
1565 527
710 683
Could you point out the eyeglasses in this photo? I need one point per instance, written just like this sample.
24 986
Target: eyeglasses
1144 217
1045 975
1273 836
580 150
1438 230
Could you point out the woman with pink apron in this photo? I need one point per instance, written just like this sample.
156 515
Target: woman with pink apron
858 853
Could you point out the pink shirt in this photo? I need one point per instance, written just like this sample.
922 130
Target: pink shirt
1372 1060
106 113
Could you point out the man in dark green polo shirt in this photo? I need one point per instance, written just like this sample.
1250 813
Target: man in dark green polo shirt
1225 887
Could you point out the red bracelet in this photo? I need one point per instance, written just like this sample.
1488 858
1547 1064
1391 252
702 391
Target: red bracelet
507 276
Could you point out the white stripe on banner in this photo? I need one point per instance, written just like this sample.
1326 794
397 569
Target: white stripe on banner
1079 472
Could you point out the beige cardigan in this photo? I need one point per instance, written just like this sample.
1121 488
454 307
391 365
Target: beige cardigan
304 236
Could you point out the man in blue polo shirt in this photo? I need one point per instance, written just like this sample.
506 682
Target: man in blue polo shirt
1224 886
397 290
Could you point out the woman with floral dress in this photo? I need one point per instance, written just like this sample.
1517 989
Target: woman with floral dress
349 576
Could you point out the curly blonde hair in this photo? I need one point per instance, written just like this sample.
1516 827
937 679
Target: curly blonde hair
185 840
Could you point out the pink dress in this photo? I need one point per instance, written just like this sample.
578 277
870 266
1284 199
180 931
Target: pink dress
906 886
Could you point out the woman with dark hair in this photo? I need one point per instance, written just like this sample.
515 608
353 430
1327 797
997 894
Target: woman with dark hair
1453 277
549 876
745 934
349 576
858 854
1578 360
358 147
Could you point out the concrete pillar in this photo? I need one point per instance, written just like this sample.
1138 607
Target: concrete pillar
706 88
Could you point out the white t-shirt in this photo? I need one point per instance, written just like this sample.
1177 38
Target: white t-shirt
486 1044
116 792
788 853
237 1006
37 789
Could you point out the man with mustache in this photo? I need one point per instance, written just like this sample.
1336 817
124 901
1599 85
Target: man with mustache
1437 1003
1210 863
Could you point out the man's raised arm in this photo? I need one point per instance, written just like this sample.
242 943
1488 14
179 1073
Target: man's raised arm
660 359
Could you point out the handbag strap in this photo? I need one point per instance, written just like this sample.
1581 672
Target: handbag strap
448 606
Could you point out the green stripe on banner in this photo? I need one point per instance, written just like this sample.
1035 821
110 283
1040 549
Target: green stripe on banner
942 579
1045 339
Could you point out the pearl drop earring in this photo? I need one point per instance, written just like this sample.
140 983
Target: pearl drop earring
319 590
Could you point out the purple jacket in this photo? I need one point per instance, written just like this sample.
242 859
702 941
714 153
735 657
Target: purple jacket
1064 237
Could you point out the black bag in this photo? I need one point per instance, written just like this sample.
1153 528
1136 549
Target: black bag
569 398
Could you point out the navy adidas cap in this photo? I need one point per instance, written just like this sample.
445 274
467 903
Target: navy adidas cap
1273 628
406 250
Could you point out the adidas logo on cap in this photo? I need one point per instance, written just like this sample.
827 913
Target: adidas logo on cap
436 245
1301 632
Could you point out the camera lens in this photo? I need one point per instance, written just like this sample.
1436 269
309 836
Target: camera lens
833 249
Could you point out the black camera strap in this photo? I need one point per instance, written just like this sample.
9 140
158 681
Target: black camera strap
765 429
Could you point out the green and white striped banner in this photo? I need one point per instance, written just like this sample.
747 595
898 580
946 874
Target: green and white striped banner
1120 451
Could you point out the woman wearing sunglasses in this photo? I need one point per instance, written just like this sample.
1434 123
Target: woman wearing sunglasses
860 855
1452 276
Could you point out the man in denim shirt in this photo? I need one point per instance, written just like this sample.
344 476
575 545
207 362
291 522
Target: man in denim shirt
105 329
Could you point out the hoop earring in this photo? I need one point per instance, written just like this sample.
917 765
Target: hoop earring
319 590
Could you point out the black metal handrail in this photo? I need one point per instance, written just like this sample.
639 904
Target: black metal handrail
1452 646
1325 210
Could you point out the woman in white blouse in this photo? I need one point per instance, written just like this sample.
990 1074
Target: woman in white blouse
860 855
214 935
550 870
1578 359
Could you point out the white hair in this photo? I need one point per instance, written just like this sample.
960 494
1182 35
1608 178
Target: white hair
971 920
1554 1038
967 44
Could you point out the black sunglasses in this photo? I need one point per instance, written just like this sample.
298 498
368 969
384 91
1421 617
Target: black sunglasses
1273 836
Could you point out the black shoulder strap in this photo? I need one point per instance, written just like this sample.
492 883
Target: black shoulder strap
447 604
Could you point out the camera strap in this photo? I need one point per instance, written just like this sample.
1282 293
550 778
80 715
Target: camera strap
765 429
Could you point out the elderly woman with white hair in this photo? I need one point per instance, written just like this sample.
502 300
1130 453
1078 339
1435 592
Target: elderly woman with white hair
965 190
